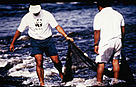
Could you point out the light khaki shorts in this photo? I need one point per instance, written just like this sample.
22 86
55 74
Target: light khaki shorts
109 51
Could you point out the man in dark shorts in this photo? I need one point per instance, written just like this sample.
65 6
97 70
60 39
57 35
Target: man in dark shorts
40 22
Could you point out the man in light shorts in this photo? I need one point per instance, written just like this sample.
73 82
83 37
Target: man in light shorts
108 35
40 22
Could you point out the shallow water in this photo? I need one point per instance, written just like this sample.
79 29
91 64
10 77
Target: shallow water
76 19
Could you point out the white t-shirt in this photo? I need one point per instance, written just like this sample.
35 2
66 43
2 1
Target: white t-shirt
109 22
39 26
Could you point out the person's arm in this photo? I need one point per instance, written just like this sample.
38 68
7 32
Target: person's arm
17 34
123 33
96 40
60 30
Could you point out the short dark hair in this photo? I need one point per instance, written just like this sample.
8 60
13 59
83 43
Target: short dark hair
104 3
35 2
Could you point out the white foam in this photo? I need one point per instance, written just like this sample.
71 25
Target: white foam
79 38
21 73
2 50
3 62
75 82
14 60
112 80
54 70
26 82
17 67
28 61
50 71
86 54
47 72
90 82
5 55
80 82
80 85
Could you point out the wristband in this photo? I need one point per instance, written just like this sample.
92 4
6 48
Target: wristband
96 44
66 36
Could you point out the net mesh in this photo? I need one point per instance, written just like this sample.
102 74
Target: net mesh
76 59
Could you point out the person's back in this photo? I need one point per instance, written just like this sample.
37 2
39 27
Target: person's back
110 22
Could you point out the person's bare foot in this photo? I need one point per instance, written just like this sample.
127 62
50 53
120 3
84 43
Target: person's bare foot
41 83
98 84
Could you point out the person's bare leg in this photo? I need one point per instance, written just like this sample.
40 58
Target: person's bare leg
100 70
39 68
116 68
57 64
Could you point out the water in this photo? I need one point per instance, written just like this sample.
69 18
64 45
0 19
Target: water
74 18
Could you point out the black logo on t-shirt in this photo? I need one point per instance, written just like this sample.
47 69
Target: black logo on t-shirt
38 23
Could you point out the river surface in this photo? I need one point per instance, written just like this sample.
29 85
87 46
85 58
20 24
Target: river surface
76 19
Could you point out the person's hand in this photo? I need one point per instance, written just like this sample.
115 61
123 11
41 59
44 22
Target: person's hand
11 47
71 39
96 49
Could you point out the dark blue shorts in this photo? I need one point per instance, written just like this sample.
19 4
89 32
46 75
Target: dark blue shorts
46 46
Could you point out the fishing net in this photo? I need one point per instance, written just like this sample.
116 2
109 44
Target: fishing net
76 59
